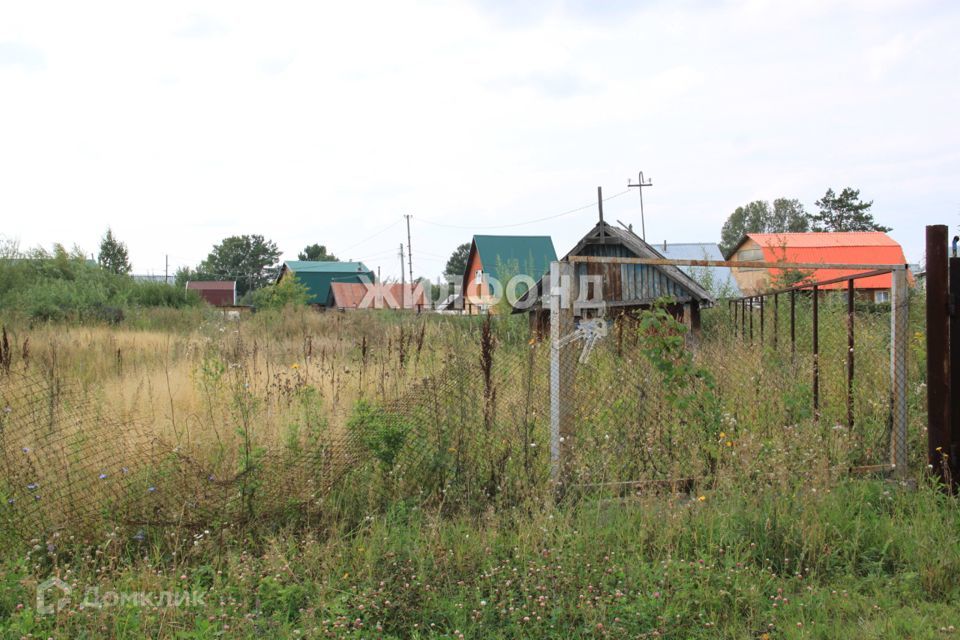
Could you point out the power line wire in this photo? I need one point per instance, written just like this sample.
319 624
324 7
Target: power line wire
520 224
372 236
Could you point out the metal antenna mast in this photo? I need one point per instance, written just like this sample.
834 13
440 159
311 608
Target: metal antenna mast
640 185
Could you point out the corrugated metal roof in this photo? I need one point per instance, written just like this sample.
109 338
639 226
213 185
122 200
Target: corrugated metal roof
852 239
532 254
317 276
316 266
349 295
212 285
838 248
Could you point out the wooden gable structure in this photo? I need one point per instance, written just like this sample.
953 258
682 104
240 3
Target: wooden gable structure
634 285
624 287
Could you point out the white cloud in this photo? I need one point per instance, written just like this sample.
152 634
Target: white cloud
180 124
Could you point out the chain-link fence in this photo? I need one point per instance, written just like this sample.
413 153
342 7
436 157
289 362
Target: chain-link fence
638 401
70 462
806 378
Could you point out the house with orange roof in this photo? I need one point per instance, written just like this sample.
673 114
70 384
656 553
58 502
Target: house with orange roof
346 296
855 247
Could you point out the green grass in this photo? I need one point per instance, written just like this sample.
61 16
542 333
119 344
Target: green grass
865 559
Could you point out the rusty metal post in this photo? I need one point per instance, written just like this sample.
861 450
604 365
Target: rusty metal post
793 323
816 353
938 349
751 319
776 318
850 318
954 427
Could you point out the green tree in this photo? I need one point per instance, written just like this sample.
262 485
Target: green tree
287 292
251 260
785 216
457 263
316 253
183 275
844 212
113 255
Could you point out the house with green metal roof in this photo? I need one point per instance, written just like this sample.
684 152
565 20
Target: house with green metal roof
318 276
494 260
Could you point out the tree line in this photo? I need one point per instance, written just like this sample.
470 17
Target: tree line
837 212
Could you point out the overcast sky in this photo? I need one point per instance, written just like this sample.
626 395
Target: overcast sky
180 123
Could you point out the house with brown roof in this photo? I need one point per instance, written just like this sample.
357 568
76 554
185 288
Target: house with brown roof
855 247
219 293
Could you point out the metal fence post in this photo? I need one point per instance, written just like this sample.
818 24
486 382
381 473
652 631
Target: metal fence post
793 323
850 339
555 371
953 430
816 353
899 318
938 362
563 292
776 319
761 320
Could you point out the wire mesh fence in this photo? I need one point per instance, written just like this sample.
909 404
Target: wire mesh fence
802 379
646 404
68 464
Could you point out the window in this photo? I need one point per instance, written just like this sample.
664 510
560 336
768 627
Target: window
881 296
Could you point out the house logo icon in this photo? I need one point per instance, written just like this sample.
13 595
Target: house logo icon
53 595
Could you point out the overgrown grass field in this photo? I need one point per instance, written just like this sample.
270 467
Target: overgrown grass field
387 475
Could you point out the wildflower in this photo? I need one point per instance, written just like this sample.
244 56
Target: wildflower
151 489
702 498
103 476
722 435
32 486
295 366
729 443
7 409
10 500
26 449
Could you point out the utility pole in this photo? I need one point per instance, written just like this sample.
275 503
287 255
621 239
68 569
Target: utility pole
640 185
603 229
166 269
403 283
409 250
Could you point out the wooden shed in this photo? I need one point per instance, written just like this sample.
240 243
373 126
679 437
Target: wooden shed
624 287
219 293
